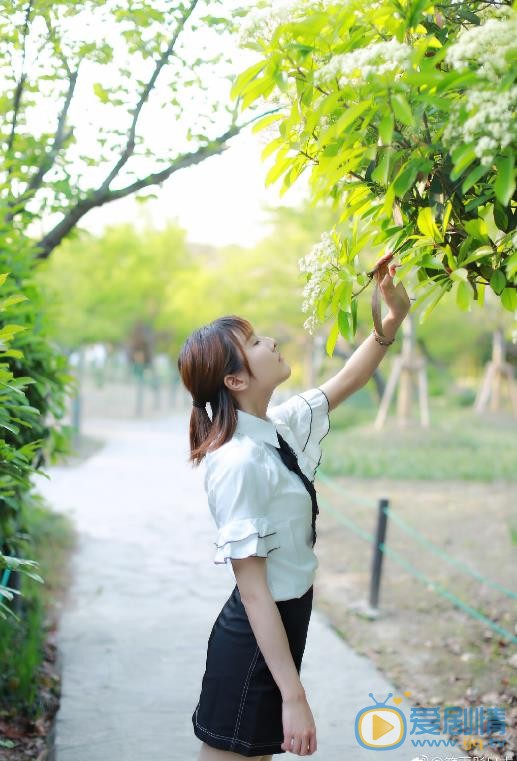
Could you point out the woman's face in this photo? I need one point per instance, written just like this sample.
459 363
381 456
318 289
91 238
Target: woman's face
266 362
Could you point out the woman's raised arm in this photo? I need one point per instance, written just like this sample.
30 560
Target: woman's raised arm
360 367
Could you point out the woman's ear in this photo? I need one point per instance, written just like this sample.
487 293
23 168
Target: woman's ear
235 382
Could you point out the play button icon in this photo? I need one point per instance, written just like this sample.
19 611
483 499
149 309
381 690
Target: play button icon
380 726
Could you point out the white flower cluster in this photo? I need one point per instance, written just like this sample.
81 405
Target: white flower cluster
318 264
485 116
489 47
491 122
376 58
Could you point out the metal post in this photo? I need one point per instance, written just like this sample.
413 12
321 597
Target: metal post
375 581
76 411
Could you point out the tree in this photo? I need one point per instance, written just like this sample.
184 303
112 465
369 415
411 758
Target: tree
403 112
56 55
99 287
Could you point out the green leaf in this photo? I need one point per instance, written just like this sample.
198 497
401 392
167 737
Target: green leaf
350 115
271 147
246 77
414 12
331 340
10 330
278 168
501 217
509 299
463 296
504 185
460 274
498 281
15 353
16 298
343 320
477 229
406 178
266 121
446 216
402 109
354 316
427 225
381 173
101 92
473 176
479 253
386 128
462 159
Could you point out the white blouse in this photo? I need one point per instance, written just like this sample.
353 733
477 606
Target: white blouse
259 506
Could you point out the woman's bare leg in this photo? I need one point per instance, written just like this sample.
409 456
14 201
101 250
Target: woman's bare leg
207 753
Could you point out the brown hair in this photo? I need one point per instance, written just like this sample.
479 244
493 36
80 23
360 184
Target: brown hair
208 354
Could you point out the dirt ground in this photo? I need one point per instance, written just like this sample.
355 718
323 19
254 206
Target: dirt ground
423 642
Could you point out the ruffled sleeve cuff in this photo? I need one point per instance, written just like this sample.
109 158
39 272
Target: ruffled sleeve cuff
245 537
319 424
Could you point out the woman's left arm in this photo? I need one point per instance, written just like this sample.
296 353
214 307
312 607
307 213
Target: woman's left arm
361 365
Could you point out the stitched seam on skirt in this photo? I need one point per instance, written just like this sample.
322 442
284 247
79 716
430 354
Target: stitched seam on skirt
242 742
244 693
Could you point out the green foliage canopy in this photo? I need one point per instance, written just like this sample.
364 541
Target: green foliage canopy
403 112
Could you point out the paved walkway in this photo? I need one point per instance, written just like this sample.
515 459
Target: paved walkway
144 595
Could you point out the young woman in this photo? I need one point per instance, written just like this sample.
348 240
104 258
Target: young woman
261 462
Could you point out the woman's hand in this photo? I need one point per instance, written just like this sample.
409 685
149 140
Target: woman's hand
395 297
299 726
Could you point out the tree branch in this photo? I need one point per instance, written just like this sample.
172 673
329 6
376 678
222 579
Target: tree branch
18 91
102 195
49 159
130 144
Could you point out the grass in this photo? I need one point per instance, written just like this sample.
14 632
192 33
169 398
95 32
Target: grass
458 444
22 642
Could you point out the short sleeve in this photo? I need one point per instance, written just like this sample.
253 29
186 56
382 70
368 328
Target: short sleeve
307 416
237 487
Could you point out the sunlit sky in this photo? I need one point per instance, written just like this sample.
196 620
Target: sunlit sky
220 201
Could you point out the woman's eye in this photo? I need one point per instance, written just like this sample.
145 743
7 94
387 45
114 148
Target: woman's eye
257 341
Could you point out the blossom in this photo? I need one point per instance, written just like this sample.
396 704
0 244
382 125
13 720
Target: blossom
491 122
486 115
376 58
319 265
488 47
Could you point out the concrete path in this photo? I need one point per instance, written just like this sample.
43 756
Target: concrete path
144 595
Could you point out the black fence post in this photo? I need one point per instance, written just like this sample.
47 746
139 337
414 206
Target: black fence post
375 581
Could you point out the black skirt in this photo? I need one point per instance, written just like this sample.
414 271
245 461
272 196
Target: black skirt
240 706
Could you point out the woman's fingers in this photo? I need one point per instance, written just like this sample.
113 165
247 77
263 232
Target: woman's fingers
305 745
